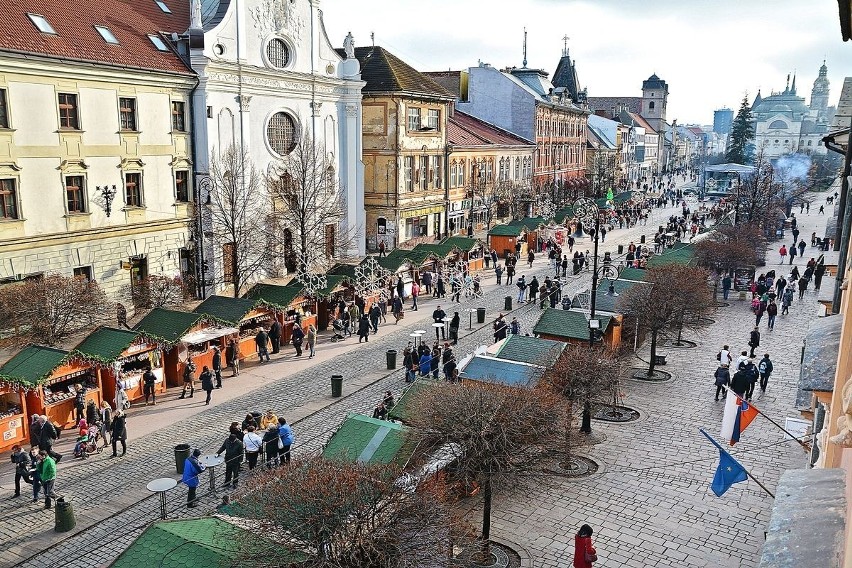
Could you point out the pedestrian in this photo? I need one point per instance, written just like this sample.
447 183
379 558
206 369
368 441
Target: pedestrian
802 246
381 249
232 356
275 336
106 421
415 291
792 252
286 439
754 340
400 288
232 447
533 288
783 252
35 430
803 286
522 288
771 313
79 401
821 210
438 317
564 265
149 380
375 314
510 272
819 272
440 287
426 279
47 474
786 300
435 362
297 337
47 437
722 380
252 443
753 375
726 286
758 312
515 327
118 433
35 460
271 440
584 552
22 462
261 342
217 365
312 340
530 258
425 362
268 419
192 470
454 328
724 356
765 370
363 329
498 271
206 378
740 381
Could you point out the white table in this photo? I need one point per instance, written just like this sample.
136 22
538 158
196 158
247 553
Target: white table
470 312
160 486
210 462
436 326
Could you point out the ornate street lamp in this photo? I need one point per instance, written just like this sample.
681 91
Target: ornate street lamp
107 196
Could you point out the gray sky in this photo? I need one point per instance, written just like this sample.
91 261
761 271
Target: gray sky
709 51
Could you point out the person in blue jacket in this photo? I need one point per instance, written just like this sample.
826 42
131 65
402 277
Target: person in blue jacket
287 439
191 472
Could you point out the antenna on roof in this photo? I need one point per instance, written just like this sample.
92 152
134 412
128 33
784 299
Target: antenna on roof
373 38
565 49
525 48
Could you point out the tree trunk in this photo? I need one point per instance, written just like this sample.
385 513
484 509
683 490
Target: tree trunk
586 426
679 333
486 516
653 353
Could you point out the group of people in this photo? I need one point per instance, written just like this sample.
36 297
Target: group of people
748 373
424 361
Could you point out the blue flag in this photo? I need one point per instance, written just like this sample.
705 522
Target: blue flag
728 472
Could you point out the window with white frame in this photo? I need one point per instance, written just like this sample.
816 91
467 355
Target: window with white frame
408 167
453 174
433 118
413 118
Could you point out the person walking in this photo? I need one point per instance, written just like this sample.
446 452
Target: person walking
802 246
232 447
415 292
454 328
803 286
192 469
363 329
740 381
533 287
771 313
206 383
522 289
584 552
786 301
515 327
312 341
232 356
819 272
106 421
286 439
765 370
21 460
47 474
498 271
722 379
252 443
530 258
510 272
726 286
724 356
80 401
754 340
47 437
275 336
217 366
297 337
118 433
758 313
783 252
149 380
753 375
261 341
188 379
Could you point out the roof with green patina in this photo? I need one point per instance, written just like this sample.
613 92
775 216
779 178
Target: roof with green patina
565 213
683 255
569 324
32 365
167 325
533 350
441 250
464 244
394 260
225 308
635 274
106 343
505 231
274 294
368 440
529 223
347 270
334 284
402 409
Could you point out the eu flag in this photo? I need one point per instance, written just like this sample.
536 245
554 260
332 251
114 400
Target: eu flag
728 472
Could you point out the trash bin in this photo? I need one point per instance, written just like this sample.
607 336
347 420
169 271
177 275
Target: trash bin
181 453
337 386
391 356
64 516
620 249
507 305
660 360
642 239
480 315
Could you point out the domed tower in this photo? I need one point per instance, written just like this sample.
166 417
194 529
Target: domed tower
655 94
819 94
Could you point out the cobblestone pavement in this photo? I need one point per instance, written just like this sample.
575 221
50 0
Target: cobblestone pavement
109 497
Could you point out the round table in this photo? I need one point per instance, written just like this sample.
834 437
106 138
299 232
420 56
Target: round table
436 327
418 335
160 486
210 461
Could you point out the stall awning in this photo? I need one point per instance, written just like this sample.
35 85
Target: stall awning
534 350
569 324
502 371
208 334
367 440
106 344
32 365
278 296
226 309
167 325
822 344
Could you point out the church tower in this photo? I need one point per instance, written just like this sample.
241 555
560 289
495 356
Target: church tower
819 94
655 94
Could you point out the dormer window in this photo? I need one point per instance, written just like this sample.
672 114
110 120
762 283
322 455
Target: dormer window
162 6
41 23
158 43
106 33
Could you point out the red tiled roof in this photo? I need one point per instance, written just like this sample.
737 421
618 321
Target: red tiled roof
641 121
76 38
466 130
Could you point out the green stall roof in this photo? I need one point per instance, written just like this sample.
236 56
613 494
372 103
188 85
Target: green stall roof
106 343
167 325
441 250
402 409
567 323
394 260
464 244
505 231
562 214
634 274
525 349
226 309
32 365
683 255
529 223
274 294
368 440
347 270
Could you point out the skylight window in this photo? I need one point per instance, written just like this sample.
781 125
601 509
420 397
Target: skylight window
158 43
163 6
41 23
106 34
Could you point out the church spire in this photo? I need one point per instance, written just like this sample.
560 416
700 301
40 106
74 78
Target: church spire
525 48
793 86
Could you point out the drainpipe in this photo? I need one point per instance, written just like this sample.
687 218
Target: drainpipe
846 212
447 151
201 287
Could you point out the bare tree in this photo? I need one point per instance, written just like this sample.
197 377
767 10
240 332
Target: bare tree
50 309
728 248
495 430
518 196
157 292
345 515
238 208
308 207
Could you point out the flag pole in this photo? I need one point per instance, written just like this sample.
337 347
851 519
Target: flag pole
747 472
805 445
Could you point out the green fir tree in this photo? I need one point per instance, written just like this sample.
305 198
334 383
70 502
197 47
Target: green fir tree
740 148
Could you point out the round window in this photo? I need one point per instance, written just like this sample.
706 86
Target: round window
277 53
282 134
219 49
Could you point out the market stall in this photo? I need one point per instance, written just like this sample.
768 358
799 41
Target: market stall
13 415
121 357
287 303
49 378
532 226
505 238
245 314
471 250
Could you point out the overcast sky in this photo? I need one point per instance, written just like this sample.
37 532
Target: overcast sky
710 52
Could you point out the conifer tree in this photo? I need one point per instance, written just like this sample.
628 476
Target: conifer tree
742 132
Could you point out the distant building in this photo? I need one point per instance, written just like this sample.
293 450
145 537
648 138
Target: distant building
723 119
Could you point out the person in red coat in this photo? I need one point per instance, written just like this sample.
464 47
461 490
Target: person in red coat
584 552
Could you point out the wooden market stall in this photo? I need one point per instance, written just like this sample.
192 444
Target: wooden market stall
121 357
245 314
183 336
571 326
289 303
49 378
471 250
505 238
532 226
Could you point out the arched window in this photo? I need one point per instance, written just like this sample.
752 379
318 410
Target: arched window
651 105
778 125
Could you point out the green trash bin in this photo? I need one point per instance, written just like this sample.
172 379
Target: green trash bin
181 453
507 303
480 315
337 386
64 516
391 356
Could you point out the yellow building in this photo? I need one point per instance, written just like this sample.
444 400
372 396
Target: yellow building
95 148
404 142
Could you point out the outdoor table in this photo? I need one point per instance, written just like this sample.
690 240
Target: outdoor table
419 333
470 312
210 462
160 486
414 337
437 326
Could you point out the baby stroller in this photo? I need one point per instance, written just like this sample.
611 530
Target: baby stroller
88 445
339 330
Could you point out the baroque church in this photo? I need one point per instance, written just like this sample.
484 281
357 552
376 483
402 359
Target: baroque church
785 124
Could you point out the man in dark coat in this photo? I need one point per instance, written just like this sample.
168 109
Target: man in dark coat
754 340
206 383
275 336
753 375
217 365
149 380
363 329
233 450
454 328
297 337
47 437
765 370
119 432
261 341
438 317
375 315
740 381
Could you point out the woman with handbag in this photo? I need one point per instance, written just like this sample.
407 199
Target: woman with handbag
584 553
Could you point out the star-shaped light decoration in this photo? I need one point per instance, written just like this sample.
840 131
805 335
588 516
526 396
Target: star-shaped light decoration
586 211
312 282
546 210
584 298
370 278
